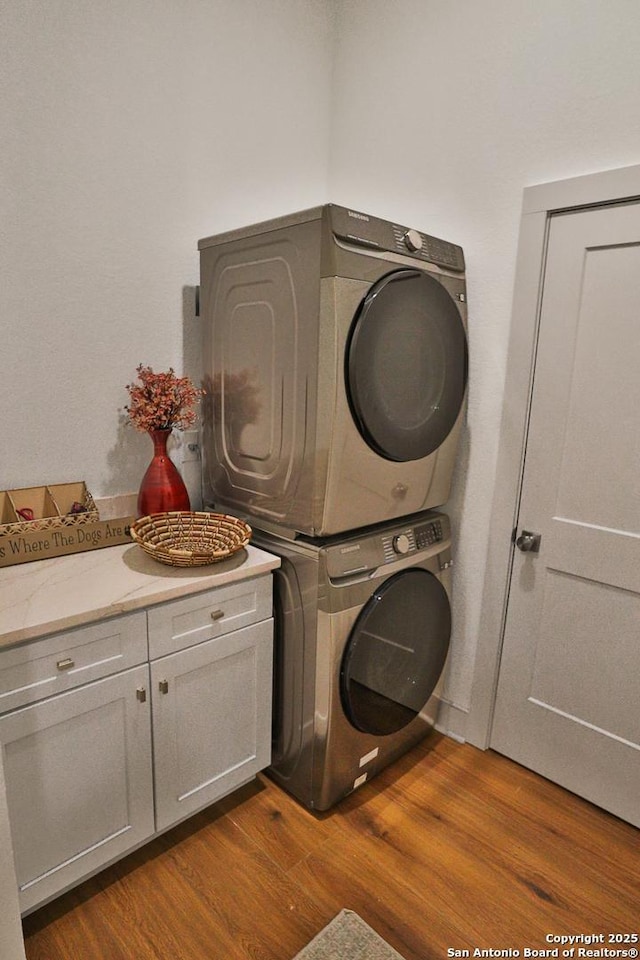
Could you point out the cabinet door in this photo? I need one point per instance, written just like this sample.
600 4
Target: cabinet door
79 782
211 719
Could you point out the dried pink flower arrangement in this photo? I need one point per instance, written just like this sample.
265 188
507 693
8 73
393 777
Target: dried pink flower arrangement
162 401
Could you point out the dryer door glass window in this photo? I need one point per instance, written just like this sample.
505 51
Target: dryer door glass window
406 365
396 652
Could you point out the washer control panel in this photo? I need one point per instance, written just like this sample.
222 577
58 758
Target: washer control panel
388 544
414 538
363 230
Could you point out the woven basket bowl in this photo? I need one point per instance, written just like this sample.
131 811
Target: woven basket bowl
189 539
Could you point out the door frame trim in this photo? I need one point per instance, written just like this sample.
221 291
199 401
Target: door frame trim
538 204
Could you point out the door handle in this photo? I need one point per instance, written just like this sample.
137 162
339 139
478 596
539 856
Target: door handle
529 542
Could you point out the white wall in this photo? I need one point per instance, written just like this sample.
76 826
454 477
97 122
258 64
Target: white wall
131 129
442 113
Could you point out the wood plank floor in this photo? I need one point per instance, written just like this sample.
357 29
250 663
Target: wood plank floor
451 848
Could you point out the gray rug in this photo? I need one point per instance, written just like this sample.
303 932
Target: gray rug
348 937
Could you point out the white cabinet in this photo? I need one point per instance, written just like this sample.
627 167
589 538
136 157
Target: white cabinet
77 734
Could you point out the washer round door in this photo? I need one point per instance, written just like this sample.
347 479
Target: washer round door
396 652
406 365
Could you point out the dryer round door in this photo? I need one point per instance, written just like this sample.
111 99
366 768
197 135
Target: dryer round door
396 652
406 365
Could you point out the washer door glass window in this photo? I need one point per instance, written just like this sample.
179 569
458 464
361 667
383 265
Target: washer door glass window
406 365
396 652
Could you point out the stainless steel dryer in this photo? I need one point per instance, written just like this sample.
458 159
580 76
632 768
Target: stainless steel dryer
336 365
362 632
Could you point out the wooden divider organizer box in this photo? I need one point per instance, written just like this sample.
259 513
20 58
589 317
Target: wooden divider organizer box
52 520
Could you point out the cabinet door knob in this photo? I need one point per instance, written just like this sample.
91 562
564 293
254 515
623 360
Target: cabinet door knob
164 686
141 694
65 664
217 614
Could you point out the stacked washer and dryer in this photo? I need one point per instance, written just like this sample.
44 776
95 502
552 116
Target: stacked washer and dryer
335 359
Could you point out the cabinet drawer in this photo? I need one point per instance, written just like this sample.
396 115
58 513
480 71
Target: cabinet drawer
62 661
179 624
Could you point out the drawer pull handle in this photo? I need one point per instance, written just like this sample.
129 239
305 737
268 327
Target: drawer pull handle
141 694
164 686
217 615
65 664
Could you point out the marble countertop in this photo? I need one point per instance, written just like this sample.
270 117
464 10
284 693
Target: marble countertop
47 596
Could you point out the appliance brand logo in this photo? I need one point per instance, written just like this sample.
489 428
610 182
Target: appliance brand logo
353 549
358 216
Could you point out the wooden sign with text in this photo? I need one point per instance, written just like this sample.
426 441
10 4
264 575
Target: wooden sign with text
42 544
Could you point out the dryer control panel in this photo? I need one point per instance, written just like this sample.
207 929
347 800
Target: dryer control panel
371 232
386 545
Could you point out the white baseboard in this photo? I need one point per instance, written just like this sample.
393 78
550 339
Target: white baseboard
452 721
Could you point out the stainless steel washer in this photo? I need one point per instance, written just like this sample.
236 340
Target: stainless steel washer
363 625
335 356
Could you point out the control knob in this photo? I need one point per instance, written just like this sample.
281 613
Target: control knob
401 543
413 240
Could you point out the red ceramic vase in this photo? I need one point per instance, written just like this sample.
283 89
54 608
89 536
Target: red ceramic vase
162 488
